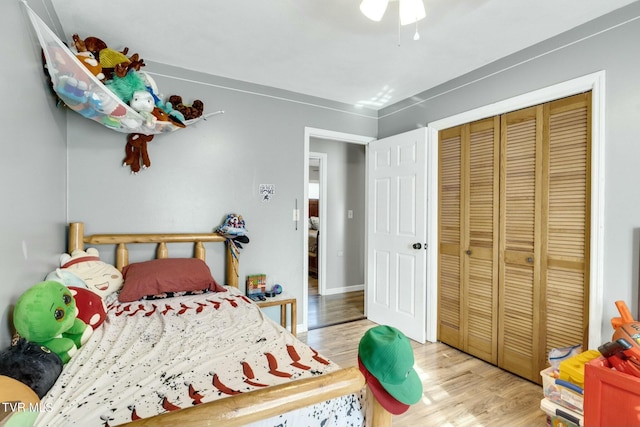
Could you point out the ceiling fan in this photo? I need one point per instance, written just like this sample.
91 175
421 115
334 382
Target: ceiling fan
410 11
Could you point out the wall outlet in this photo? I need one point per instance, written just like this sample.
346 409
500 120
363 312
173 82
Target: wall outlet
340 253
350 214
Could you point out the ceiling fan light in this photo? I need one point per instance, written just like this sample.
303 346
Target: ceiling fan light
374 9
411 11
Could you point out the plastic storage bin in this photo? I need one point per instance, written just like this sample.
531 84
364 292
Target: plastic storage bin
559 416
611 398
560 392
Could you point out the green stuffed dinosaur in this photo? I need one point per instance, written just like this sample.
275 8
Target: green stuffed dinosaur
45 314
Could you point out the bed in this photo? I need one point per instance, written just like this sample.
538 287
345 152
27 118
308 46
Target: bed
199 359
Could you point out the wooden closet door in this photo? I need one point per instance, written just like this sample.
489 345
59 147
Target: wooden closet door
544 243
514 234
566 222
480 284
520 195
450 230
468 238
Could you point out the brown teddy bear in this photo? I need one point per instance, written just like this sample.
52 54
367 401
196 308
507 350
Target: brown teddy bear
110 60
189 112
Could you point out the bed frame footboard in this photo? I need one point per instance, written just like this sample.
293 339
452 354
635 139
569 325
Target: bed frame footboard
260 404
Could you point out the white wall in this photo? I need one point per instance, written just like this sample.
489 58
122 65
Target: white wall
32 166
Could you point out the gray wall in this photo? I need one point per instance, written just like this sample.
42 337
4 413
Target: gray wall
343 237
32 166
201 173
610 44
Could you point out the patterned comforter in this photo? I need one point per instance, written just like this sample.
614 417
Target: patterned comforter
153 356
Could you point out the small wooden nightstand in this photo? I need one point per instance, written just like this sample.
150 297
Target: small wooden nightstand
282 300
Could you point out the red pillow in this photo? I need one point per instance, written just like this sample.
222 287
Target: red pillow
166 275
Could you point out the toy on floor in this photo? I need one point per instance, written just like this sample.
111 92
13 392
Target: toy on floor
623 352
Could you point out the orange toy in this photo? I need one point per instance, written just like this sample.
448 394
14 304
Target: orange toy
623 352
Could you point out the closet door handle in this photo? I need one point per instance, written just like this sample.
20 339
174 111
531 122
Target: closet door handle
530 260
417 246
468 251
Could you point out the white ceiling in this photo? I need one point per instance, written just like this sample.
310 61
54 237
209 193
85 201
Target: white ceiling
327 48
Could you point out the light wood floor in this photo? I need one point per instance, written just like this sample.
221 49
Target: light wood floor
326 310
459 390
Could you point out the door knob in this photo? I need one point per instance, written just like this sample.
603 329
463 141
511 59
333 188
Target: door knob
468 251
417 246
530 260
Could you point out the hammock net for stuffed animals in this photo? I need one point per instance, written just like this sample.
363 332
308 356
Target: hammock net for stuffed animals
83 93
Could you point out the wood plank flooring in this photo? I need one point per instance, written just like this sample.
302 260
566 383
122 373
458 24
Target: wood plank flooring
459 390
326 310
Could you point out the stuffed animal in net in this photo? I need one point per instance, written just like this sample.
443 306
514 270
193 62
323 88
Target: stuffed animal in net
45 314
91 307
142 101
91 63
124 87
164 108
111 61
189 112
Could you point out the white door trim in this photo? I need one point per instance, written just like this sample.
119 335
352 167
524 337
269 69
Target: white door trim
596 84
309 133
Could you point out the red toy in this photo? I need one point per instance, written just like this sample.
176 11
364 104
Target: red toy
623 352
91 307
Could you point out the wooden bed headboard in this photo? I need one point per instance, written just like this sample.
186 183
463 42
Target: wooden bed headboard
77 240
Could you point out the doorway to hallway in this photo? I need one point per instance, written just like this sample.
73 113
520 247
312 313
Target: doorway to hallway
335 291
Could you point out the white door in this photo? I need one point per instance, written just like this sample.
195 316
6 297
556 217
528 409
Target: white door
397 232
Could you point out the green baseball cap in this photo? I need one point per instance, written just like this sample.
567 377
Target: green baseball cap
387 354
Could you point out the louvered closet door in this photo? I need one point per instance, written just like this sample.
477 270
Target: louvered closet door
566 222
520 208
480 287
450 232
514 234
468 238
544 242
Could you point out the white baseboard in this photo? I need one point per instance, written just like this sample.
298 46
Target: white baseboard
344 289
